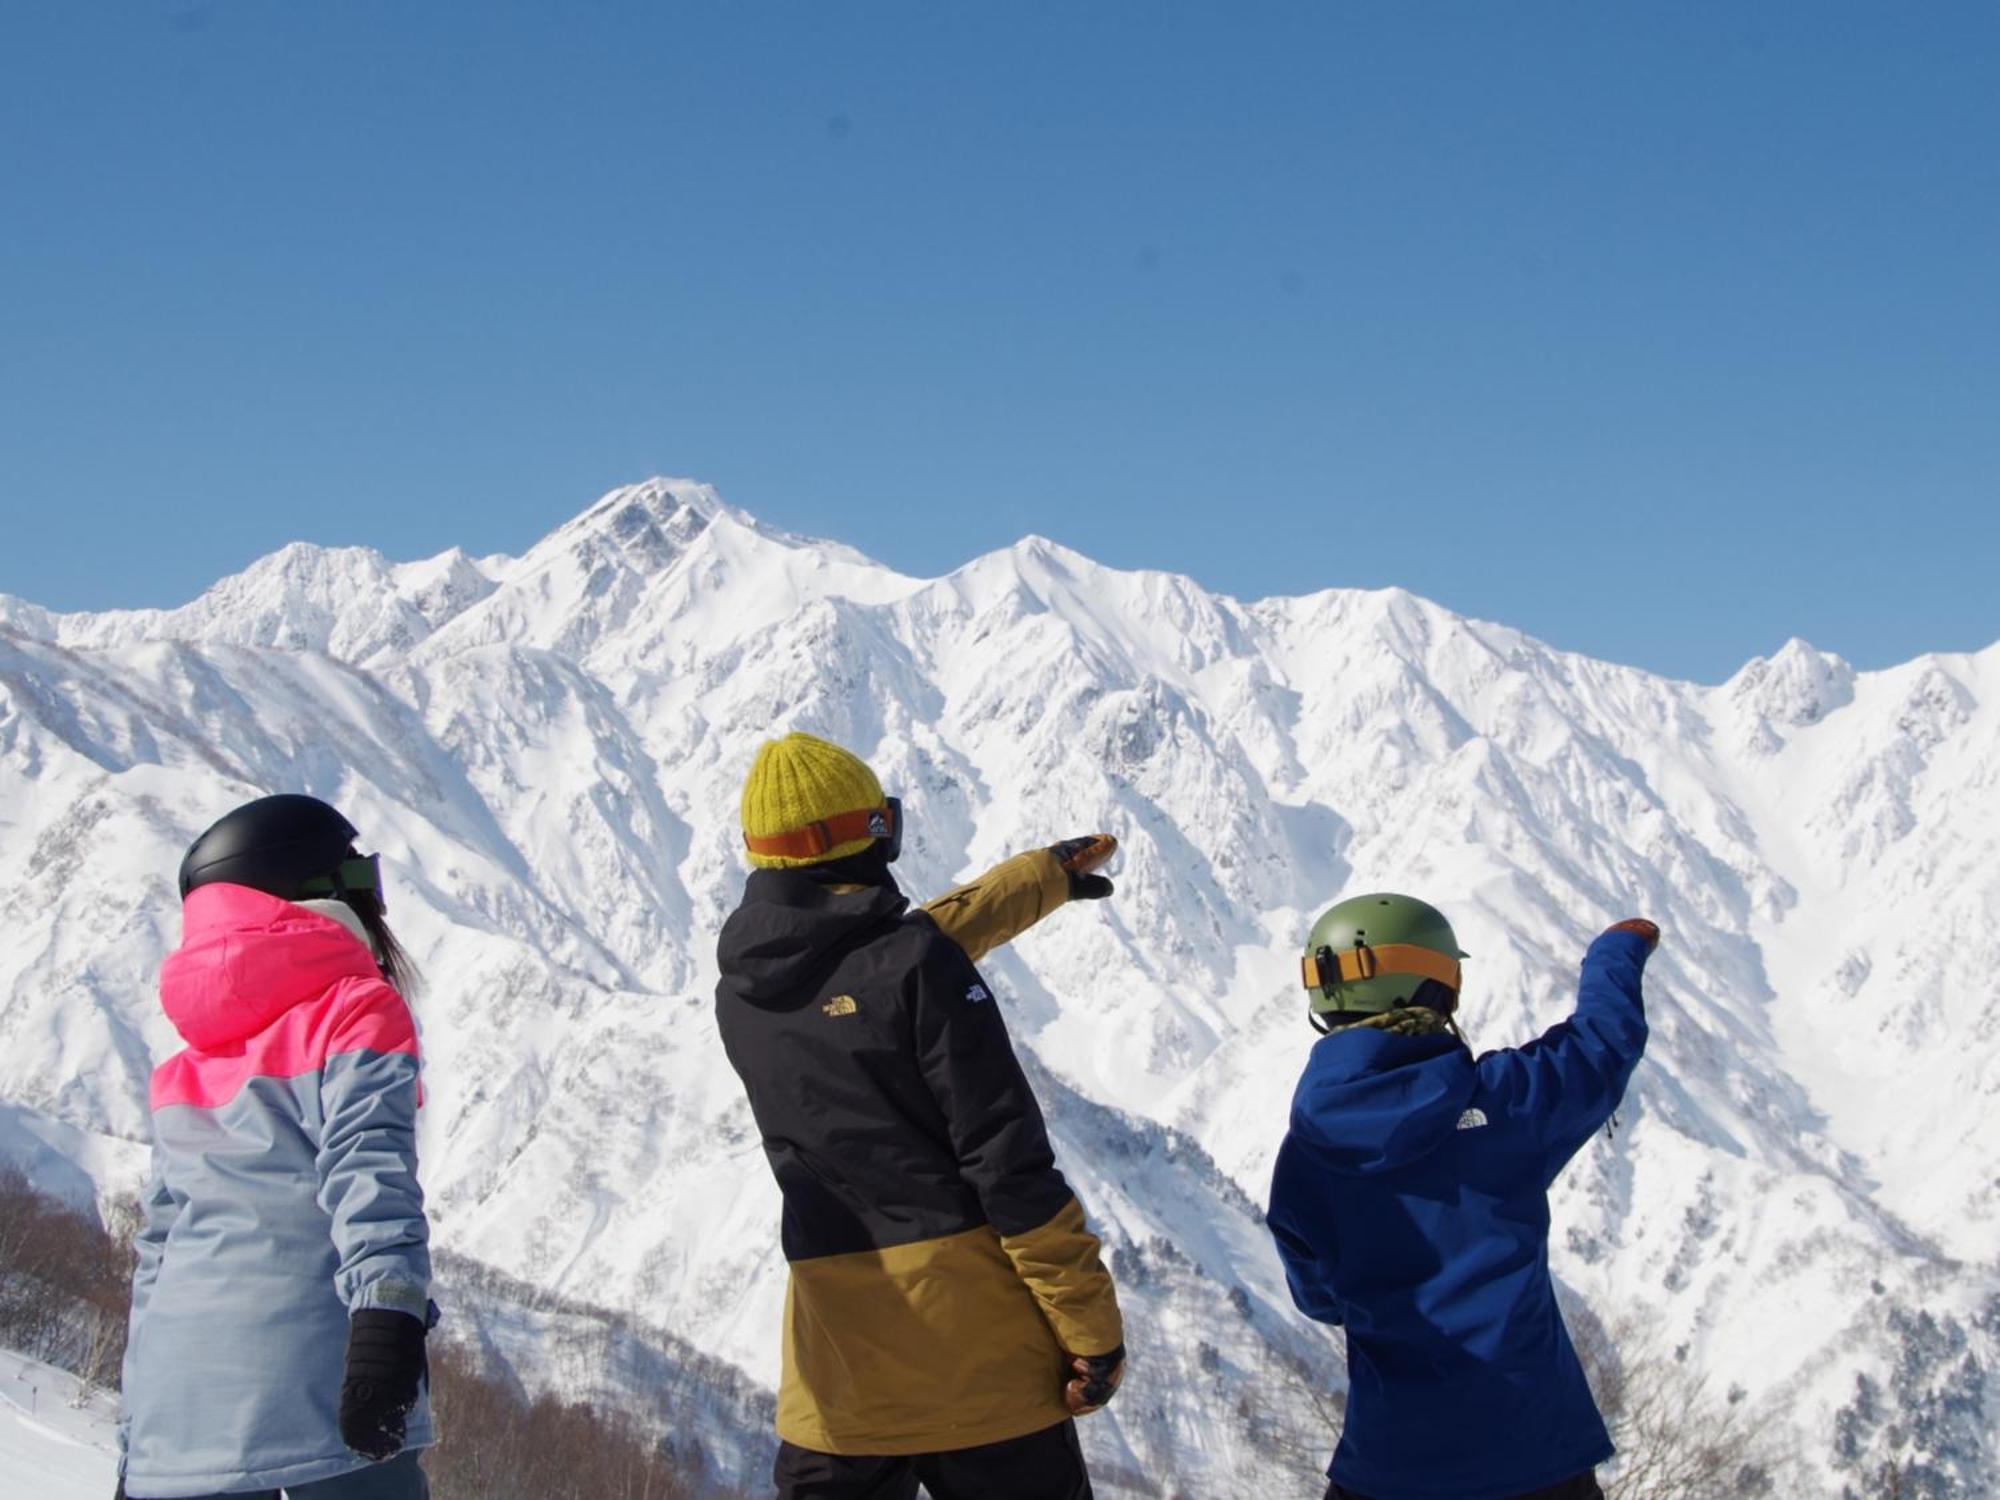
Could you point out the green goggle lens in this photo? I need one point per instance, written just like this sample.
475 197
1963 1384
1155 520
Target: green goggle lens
361 873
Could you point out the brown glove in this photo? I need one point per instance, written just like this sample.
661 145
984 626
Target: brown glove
1080 859
1096 1382
1647 930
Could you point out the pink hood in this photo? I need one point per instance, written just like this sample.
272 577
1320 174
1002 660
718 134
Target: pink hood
246 958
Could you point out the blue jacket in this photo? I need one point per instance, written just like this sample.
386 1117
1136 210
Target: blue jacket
1410 1203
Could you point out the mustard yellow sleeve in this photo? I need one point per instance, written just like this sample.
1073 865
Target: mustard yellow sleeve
1060 1264
1000 905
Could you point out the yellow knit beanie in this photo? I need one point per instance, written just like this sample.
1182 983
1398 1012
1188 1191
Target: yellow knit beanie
800 780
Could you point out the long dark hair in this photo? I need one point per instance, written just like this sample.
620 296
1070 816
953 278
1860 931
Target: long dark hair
393 958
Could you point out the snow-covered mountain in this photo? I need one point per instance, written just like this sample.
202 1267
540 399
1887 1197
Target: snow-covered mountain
1802 1197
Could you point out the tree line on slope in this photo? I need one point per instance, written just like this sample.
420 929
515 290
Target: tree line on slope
65 1292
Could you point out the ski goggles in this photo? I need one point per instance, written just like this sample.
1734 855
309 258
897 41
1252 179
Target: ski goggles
815 839
358 872
1325 967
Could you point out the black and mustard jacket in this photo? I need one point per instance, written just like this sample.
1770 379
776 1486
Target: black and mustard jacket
940 1264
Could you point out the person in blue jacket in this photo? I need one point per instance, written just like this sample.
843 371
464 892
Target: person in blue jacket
1410 1206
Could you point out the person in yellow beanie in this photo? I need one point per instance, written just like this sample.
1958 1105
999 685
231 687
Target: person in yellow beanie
949 1314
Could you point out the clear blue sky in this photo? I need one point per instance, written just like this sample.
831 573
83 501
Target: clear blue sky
1662 330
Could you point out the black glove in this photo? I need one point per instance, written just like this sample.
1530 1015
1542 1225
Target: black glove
1079 858
1096 1380
385 1364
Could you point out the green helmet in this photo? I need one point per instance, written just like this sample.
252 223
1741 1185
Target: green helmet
1372 953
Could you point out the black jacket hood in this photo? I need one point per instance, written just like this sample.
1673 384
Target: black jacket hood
794 926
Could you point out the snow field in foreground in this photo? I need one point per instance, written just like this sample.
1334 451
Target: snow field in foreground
52 1448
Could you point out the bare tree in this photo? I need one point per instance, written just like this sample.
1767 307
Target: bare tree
1676 1440
500 1444
1306 1430
64 1281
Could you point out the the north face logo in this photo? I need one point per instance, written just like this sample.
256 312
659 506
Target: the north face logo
840 1005
1472 1119
977 994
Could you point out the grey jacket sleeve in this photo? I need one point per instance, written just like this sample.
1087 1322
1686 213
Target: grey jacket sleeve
367 1159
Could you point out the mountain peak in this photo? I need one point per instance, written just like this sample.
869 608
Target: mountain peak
642 527
657 501
658 495
1795 686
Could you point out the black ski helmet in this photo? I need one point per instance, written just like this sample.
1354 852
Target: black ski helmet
289 846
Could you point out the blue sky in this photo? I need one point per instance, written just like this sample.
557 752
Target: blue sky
1663 331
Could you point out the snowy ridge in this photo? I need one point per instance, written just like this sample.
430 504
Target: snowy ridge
548 751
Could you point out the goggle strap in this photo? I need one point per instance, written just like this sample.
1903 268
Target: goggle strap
1349 965
815 839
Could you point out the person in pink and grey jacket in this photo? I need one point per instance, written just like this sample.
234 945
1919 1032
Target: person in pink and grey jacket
282 1294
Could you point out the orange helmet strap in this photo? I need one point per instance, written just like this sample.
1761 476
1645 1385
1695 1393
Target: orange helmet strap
1328 967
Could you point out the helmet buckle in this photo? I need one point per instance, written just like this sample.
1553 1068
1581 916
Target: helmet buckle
1366 964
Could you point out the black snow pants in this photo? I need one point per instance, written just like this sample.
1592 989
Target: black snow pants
1045 1465
398 1479
1577 1487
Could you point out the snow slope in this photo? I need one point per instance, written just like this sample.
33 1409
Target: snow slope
54 1444
1802 1196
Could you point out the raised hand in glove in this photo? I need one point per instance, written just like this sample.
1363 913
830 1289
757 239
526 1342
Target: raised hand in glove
1647 930
1080 860
385 1363
1095 1382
